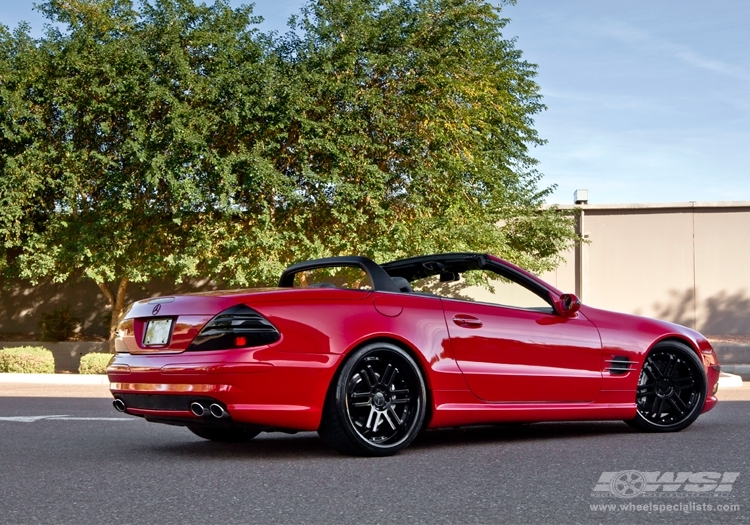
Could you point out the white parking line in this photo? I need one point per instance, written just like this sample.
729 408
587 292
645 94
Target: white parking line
32 419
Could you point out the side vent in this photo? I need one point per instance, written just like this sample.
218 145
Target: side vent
237 327
619 365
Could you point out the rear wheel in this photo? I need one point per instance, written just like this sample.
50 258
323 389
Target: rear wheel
377 404
671 389
226 435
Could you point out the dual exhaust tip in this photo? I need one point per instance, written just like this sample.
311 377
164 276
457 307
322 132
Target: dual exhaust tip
215 410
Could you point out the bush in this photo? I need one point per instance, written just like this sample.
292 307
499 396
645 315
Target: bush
94 363
58 325
27 360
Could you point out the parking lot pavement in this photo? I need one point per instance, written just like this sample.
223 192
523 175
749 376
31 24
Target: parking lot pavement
77 461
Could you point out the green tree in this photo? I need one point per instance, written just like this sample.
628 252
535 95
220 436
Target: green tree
118 138
173 140
407 130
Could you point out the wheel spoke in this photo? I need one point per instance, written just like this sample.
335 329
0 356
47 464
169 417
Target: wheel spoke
388 375
652 371
369 418
395 416
371 376
645 390
387 418
671 367
677 403
683 382
660 404
378 421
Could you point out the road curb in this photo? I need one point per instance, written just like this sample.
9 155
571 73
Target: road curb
729 380
55 379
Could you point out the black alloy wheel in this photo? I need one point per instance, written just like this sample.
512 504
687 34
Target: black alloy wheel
671 389
225 435
377 404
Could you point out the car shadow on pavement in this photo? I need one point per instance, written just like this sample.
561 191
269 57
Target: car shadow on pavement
506 433
309 445
274 445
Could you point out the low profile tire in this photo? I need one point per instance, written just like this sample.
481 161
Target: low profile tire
671 389
377 403
225 435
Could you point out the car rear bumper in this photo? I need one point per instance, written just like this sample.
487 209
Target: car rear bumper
284 390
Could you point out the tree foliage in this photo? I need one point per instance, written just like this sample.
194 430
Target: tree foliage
170 139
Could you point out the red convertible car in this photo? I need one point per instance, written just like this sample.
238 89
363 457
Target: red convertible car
370 355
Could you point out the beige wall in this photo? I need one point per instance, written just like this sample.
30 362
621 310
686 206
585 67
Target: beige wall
688 263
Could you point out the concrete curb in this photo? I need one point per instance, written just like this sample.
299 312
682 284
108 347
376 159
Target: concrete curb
729 380
55 379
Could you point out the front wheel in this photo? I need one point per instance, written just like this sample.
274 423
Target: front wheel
671 389
377 404
226 435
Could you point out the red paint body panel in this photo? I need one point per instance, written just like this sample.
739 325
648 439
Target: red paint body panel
525 356
514 365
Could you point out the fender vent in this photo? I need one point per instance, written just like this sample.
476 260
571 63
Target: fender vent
619 365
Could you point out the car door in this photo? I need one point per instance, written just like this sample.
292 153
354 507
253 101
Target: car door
512 347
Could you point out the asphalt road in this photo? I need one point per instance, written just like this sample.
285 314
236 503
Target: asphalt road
120 469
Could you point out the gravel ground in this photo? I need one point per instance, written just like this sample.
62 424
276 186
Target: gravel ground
739 339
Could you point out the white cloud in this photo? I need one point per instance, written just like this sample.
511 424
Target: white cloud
687 55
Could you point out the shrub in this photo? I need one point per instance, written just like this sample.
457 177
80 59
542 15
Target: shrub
58 325
27 360
94 363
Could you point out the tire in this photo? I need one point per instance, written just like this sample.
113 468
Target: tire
377 403
671 389
225 435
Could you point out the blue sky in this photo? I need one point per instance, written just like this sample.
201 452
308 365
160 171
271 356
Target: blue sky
648 101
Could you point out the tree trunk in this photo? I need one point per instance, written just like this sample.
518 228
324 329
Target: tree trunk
117 302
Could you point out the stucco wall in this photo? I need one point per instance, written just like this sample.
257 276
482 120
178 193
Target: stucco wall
688 263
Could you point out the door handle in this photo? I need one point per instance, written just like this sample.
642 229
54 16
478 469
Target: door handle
467 321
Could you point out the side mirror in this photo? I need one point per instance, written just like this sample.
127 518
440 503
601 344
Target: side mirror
568 304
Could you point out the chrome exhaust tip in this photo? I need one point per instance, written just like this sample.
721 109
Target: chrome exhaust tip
218 411
197 409
119 405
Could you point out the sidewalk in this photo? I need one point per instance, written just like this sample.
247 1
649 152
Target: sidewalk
54 385
55 379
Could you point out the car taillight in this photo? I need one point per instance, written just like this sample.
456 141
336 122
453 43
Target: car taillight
238 327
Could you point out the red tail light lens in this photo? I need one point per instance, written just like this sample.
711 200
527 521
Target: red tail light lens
238 326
